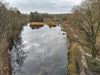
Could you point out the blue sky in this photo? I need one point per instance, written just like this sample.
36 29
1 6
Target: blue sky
44 6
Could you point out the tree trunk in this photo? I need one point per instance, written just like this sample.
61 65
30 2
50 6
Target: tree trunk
5 64
94 52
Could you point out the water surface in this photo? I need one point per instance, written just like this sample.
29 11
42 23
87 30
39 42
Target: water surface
47 51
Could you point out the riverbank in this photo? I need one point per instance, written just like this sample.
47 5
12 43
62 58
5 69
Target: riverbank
79 62
74 58
11 24
71 67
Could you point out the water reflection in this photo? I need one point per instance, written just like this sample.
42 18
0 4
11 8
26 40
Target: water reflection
47 51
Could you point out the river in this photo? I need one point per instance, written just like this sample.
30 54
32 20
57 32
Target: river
46 51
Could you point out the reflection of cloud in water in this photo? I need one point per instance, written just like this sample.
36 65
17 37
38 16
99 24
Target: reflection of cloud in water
36 44
47 49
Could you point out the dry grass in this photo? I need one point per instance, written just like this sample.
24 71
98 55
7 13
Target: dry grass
41 24
4 58
72 59
50 22
36 23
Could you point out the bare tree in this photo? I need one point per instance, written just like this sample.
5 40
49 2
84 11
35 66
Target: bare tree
86 19
11 23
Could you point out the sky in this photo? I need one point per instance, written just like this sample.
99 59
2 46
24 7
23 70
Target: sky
44 6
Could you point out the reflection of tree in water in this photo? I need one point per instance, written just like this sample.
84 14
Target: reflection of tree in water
18 55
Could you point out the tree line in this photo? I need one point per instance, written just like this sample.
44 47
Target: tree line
39 17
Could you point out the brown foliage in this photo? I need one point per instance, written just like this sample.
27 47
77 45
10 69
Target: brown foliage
11 23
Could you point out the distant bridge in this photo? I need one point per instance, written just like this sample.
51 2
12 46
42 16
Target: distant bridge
41 24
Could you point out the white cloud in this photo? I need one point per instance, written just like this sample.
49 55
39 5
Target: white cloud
77 1
49 6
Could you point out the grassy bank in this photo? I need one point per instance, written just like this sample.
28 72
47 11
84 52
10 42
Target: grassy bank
72 70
